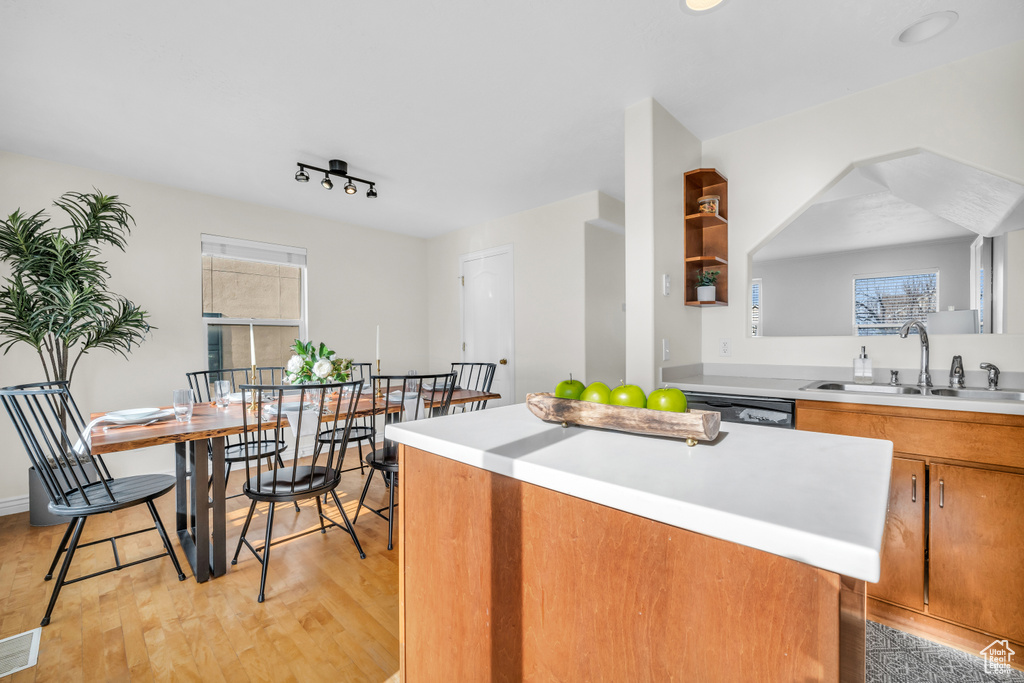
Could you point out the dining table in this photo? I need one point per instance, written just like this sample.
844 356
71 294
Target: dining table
200 515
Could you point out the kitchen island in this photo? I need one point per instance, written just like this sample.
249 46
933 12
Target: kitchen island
528 550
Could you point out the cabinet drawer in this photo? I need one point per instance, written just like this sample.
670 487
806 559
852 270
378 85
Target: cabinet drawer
954 435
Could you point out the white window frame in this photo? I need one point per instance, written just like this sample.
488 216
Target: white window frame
890 273
260 252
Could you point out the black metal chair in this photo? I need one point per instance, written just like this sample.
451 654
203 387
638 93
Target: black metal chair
475 377
403 398
77 481
267 481
363 428
234 448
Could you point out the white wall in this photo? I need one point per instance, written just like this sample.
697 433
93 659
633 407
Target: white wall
813 295
357 278
550 288
605 303
777 168
658 151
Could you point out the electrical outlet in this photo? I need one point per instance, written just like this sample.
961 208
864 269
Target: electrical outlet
725 347
665 354
666 285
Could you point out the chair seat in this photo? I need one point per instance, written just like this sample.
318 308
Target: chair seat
381 460
128 491
354 434
309 482
265 447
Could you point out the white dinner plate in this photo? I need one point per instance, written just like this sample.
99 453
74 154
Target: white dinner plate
137 415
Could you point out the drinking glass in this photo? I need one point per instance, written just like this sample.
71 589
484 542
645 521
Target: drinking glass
222 392
182 402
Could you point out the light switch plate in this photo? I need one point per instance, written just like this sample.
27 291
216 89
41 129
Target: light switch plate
665 354
666 285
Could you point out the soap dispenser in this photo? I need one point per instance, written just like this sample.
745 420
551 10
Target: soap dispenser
862 368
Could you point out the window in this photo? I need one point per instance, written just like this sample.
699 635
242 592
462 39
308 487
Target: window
755 307
252 283
882 303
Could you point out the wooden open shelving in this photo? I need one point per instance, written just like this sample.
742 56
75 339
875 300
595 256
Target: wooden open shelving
705 236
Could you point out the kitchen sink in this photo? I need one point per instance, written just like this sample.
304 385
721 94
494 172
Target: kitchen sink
869 388
981 394
968 394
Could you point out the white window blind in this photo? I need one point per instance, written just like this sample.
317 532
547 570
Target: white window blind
882 303
755 307
247 250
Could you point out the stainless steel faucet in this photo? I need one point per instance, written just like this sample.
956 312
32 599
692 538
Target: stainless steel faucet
923 379
956 373
993 375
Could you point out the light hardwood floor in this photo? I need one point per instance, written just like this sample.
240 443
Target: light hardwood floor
327 616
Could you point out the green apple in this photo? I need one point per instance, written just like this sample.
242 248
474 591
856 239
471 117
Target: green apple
629 395
669 399
570 388
598 392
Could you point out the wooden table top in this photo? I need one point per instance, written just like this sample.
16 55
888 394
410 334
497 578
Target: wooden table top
209 421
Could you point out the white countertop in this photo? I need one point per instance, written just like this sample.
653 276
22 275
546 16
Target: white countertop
791 388
816 498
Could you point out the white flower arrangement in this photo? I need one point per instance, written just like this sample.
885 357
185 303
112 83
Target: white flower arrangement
313 364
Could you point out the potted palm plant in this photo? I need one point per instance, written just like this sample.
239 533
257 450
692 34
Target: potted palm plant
56 298
706 280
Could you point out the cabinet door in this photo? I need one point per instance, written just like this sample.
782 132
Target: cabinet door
902 578
975 572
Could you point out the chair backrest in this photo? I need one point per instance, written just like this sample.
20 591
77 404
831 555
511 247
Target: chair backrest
200 381
361 372
476 377
331 406
270 374
51 429
404 398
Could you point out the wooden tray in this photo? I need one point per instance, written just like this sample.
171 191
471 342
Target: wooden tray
693 425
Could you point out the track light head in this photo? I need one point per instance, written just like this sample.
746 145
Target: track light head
350 188
301 176
372 192
326 182
338 168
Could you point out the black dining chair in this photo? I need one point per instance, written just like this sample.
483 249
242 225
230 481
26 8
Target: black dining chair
77 481
403 398
268 481
474 377
364 428
265 443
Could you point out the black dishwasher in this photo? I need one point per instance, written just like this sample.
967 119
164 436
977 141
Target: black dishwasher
759 410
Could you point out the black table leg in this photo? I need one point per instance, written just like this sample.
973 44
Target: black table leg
219 552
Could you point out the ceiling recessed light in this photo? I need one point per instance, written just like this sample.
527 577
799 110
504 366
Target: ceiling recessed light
926 28
699 6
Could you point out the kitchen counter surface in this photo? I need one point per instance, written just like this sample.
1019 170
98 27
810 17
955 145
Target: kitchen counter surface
791 388
816 498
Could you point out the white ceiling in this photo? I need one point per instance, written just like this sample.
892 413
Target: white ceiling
919 197
463 110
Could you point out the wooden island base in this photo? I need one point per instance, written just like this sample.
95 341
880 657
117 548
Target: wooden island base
502 580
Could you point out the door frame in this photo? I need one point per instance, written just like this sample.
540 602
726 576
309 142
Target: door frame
475 256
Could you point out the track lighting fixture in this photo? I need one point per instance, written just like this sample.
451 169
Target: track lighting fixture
335 167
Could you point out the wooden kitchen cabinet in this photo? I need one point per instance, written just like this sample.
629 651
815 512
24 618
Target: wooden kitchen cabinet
977 558
705 236
903 545
953 562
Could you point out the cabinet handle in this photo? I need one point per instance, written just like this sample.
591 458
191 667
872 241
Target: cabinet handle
942 493
913 488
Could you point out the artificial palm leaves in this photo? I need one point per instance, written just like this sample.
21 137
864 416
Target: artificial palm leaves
56 297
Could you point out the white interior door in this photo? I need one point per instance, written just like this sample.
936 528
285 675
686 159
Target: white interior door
488 323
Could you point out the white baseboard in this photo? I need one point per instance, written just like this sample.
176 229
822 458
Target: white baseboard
12 506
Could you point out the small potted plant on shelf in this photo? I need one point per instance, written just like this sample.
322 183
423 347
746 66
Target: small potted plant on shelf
706 280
